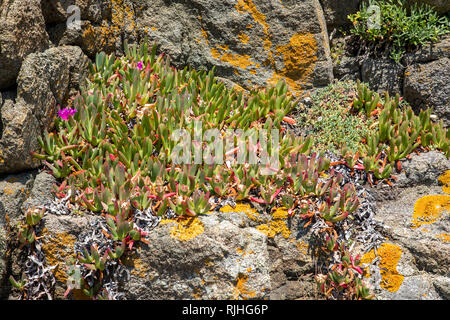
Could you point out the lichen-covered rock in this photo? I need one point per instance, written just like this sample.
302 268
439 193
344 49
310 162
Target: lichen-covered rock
14 189
44 81
22 31
336 12
251 42
426 85
418 223
208 258
382 74
424 168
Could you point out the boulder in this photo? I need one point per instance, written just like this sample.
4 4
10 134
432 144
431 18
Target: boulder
45 80
415 226
22 32
249 42
382 74
426 85
336 13
14 189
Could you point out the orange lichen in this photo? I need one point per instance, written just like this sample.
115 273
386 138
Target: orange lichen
240 290
185 229
251 213
244 38
275 227
108 33
280 213
429 209
389 254
303 247
445 237
57 248
300 57
445 180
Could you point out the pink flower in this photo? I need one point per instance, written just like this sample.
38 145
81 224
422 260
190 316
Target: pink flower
65 113
140 65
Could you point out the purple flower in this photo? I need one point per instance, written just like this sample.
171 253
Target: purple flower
65 113
140 65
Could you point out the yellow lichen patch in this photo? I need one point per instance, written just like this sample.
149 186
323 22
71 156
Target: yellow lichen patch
240 290
197 294
280 213
244 6
243 38
57 248
185 229
275 227
140 268
429 209
251 213
444 237
445 180
302 247
389 256
299 56
108 33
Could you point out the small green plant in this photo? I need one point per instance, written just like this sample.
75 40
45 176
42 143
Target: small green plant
399 28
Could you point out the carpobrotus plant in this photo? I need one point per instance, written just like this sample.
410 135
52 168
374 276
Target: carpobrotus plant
115 154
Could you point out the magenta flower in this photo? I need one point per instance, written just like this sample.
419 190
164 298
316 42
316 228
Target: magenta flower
65 113
140 65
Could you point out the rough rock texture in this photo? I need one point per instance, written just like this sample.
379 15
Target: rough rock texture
250 42
426 85
423 169
382 74
416 225
347 69
44 81
14 189
336 12
22 31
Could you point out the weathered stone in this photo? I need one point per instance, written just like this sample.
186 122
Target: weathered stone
430 52
336 13
42 191
44 81
382 74
249 42
424 169
209 258
426 85
14 189
347 68
22 31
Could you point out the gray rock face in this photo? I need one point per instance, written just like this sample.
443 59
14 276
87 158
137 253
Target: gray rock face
426 85
423 169
249 42
22 31
336 12
44 81
14 189
418 224
382 74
